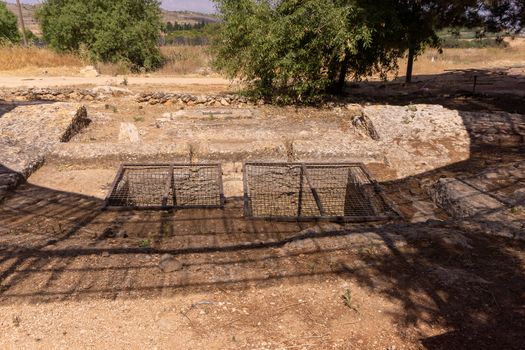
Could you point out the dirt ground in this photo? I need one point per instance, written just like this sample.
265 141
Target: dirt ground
75 276
185 83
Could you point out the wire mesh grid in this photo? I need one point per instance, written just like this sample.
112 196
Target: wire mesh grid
167 186
313 191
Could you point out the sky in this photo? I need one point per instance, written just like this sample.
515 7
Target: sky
205 6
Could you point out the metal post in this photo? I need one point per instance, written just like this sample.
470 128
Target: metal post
314 191
301 185
167 188
22 22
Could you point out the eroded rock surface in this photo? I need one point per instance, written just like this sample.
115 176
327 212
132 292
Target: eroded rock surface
29 132
492 201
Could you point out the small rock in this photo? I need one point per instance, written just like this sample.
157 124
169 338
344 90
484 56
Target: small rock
113 90
129 133
108 233
168 263
121 234
224 102
89 72
105 254
167 116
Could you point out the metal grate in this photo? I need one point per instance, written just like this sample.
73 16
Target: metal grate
166 186
294 191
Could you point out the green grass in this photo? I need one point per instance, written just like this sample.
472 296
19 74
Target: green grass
347 300
144 243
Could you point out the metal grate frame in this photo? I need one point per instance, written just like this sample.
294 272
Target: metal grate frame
166 186
313 191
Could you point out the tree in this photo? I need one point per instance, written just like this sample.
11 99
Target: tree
113 31
303 48
8 25
507 15
297 48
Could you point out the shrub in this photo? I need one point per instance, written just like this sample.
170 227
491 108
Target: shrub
8 25
110 31
454 43
292 49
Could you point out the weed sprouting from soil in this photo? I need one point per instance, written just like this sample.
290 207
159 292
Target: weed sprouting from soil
165 229
138 119
144 243
347 300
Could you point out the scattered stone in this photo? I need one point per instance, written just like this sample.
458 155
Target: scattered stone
108 233
52 241
121 234
111 90
89 72
168 263
128 133
364 124
105 254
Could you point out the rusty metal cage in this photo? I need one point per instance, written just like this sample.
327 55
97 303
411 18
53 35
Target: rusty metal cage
313 191
166 186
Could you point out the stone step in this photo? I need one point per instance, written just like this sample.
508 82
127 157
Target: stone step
113 153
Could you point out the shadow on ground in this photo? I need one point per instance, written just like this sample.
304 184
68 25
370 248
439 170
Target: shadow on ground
470 89
58 246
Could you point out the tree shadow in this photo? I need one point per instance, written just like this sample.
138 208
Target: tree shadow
469 89
6 107
58 246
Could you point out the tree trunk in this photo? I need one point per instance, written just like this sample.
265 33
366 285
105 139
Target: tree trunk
410 65
339 86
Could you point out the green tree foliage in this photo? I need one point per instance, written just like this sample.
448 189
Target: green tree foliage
176 26
296 48
31 37
112 31
8 25
194 34
420 21
300 48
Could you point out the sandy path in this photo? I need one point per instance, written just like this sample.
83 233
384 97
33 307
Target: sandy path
42 82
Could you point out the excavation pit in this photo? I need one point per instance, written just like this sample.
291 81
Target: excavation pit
303 192
166 186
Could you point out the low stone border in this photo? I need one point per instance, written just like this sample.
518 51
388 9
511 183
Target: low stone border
101 93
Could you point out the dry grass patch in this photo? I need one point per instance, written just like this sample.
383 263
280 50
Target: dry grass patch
179 60
113 69
18 57
185 59
431 62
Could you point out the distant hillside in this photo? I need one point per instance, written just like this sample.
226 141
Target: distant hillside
187 17
28 11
